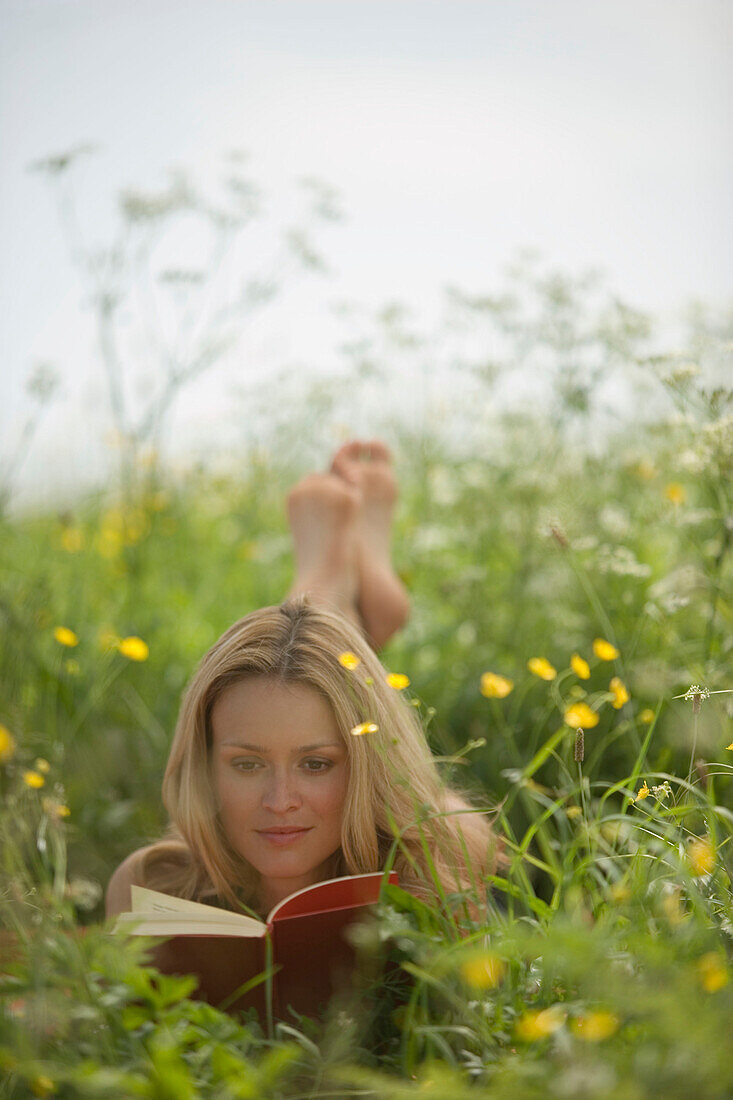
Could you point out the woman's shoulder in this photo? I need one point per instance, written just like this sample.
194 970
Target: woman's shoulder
128 874
167 866
158 865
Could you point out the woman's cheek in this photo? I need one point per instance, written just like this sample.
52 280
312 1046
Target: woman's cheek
334 794
234 796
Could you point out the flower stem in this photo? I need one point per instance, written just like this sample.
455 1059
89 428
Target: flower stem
695 714
583 801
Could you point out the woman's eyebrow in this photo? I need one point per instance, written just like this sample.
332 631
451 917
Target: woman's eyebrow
263 749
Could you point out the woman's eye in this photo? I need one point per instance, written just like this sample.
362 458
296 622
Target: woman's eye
313 766
322 765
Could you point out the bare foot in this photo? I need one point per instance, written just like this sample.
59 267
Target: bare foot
383 602
322 512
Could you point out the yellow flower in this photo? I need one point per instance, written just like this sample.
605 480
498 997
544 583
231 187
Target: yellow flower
494 686
541 667
42 1086
647 716
134 648
398 680
580 716
604 651
580 667
701 856
42 765
7 744
645 469
532 1026
596 1026
54 809
573 812
712 972
643 792
620 694
109 543
485 971
619 892
675 493
72 539
349 660
33 779
64 636
365 727
673 911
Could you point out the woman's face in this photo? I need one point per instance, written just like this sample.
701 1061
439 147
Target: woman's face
278 761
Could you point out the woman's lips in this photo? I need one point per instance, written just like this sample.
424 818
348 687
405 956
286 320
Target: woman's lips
282 838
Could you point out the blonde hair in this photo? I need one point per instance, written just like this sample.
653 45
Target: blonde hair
395 794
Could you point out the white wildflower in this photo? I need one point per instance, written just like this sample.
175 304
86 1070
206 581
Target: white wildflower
586 542
696 691
682 374
443 487
615 520
691 461
621 561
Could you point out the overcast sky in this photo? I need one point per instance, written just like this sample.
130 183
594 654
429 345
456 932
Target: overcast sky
455 132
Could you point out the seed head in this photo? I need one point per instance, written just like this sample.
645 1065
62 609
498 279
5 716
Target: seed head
558 535
579 750
696 693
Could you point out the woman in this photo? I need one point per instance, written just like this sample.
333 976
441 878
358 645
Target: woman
294 760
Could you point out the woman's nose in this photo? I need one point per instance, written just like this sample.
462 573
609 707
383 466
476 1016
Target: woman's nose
281 794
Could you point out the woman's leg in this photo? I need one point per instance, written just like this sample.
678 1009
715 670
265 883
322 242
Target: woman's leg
322 513
383 602
341 524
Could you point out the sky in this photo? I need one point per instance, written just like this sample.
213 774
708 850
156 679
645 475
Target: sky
455 132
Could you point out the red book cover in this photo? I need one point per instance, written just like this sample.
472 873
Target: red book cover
311 955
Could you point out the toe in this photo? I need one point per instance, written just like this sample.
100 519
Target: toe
350 456
350 450
377 451
346 461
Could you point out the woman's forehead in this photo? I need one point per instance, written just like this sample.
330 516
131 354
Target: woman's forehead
265 709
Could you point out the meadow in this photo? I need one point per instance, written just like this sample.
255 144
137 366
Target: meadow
570 655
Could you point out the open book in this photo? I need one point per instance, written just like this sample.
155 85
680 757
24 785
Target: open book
225 950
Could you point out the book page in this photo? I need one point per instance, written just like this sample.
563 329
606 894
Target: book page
165 909
177 924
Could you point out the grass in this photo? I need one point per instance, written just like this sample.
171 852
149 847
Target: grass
603 966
